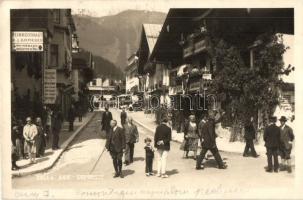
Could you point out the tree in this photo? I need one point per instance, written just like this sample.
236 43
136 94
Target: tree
249 89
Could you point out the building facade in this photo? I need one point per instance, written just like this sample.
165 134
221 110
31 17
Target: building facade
41 75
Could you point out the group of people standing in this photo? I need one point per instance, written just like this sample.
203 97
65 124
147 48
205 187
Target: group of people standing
121 141
29 140
205 133
278 141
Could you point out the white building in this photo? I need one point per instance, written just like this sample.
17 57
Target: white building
131 74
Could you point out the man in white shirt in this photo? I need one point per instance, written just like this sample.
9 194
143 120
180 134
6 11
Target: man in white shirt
30 132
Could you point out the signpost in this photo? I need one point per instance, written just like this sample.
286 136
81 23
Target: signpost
50 90
27 41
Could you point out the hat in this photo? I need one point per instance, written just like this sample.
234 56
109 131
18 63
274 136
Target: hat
283 119
272 119
147 140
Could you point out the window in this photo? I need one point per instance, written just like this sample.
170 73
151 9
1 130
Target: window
54 55
56 16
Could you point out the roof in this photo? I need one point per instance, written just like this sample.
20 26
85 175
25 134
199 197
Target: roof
152 32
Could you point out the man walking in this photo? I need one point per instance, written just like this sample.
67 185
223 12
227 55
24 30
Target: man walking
131 137
162 144
271 137
105 121
115 144
287 138
209 143
71 117
249 136
57 124
123 117
30 132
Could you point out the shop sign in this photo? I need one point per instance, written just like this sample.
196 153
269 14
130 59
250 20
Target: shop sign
50 89
206 76
27 41
194 86
200 46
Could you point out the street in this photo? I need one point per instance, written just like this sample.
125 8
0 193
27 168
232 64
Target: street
79 167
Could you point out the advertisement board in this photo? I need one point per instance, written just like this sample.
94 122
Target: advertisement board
27 41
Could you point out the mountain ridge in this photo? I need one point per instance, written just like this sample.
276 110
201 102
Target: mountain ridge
114 37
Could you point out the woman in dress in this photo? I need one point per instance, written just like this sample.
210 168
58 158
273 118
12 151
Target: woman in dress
191 137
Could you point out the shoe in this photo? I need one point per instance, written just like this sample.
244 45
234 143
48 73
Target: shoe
282 168
256 156
116 175
276 170
147 174
223 167
289 169
245 155
121 175
158 175
164 176
269 170
151 174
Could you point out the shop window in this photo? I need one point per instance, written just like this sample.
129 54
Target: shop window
54 55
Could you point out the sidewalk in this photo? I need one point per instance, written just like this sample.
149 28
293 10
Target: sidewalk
148 122
50 157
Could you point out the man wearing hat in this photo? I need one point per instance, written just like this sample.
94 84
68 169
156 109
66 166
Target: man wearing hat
287 138
271 137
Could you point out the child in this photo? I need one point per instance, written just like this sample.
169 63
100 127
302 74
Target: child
149 156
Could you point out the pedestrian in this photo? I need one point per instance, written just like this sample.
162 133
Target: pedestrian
57 124
209 142
201 125
162 144
272 135
14 153
21 146
105 121
48 125
131 137
71 117
149 157
30 132
41 143
19 139
249 136
123 116
287 138
191 137
115 144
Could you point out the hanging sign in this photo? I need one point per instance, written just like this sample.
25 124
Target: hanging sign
27 41
50 89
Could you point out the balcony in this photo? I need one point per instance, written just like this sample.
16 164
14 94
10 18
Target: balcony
195 47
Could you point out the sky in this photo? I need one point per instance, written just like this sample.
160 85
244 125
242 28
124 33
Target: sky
111 7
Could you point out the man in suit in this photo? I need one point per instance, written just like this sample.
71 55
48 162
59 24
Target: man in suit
162 144
249 136
271 137
123 116
131 137
209 142
115 144
287 138
105 121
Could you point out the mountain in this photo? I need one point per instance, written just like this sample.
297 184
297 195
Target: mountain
106 69
114 37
